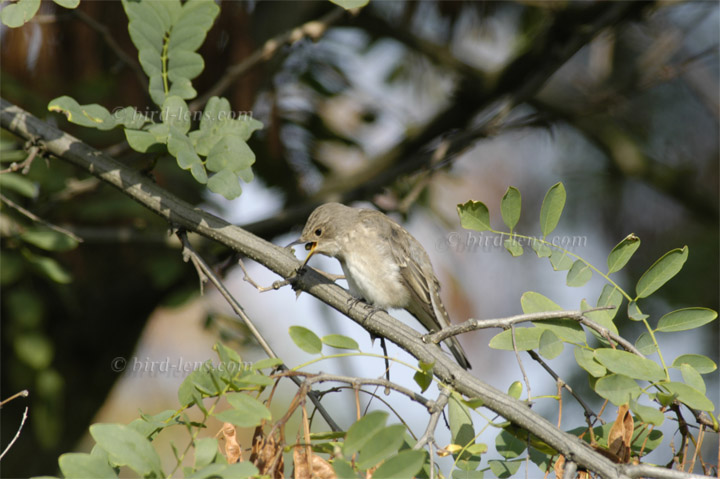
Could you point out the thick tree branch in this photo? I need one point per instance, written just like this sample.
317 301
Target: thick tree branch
283 263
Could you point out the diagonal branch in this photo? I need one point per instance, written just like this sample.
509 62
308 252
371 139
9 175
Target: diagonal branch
280 261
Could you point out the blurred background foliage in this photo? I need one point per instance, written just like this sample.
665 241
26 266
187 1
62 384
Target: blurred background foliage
617 100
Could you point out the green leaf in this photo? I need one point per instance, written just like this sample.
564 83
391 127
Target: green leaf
634 312
689 396
381 445
647 414
503 469
406 464
579 274
127 447
80 465
550 345
141 141
19 184
175 113
617 389
560 260
610 296
542 250
525 339
360 433
166 35
515 389
48 239
48 267
12 268
230 152
68 3
630 365
509 446
350 4
341 342
305 339
196 384
702 364
684 319
586 360
552 208
461 425
344 470
622 252
246 411
129 117
533 302
510 207
424 376
93 116
474 215
601 318
206 449
267 363
692 378
226 183
645 344
513 246
661 272
17 14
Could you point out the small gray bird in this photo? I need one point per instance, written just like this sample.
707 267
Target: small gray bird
383 263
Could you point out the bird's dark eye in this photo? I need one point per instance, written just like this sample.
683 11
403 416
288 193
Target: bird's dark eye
318 232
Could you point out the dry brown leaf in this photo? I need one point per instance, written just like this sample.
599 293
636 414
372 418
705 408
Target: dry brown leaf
559 467
233 451
267 454
320 468
621 433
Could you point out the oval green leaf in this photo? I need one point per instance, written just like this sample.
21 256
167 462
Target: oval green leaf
361 432
617 389
513 246
246 411
622 252
550 345
702 364
381 445
525 339
634 312
630 365
586 360
684 319
510 207
645 344
552 208
127 447
661 272
692 378
533 302
78 465
689 395
647 414
48 239
579 274
405 464
474 215
306 339
341 342
560 260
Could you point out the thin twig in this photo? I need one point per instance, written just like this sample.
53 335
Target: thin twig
313 29
37 219
24 393
589 414
17 434
210 275
522 369
23 165
428 438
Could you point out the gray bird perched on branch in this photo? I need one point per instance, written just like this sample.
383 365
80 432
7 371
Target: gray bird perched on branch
383 263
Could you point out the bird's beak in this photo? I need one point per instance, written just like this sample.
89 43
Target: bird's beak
312 247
